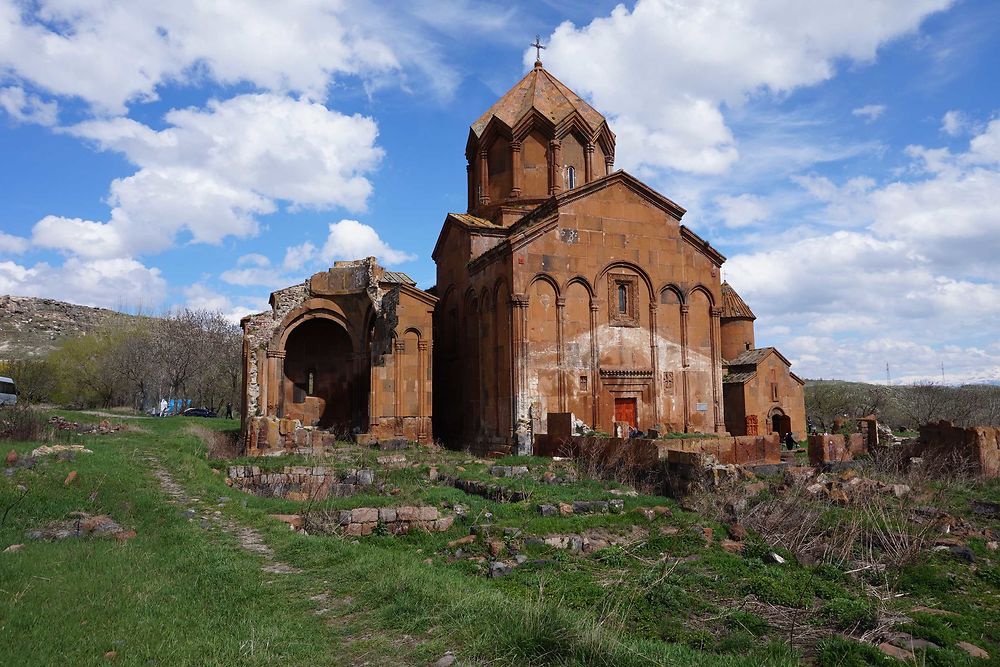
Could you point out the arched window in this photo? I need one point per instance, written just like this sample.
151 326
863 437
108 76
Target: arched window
570 177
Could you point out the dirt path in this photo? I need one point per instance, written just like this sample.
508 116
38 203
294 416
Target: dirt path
247 537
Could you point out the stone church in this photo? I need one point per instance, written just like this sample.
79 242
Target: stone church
565 287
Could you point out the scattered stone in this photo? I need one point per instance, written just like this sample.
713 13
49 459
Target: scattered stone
294 521
590 507
900 490
669 530
433 474
495 492
70 478
737 531
973 650
511 533
707 533
986 509
46 450
446 660
616 506
963 553
13 548
495 547
520 559
547 510
992 546
838 496
646 512
662 510
815 489
509 471
910 643
500 569
732 546
392 460
462 541
428 561
895 651
628 493
11 457
755 488
565 509
111 655
774 558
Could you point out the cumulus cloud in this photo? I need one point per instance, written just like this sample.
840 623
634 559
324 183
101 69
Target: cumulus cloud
869 112
111 54
914 284
666 68
12 245
199 296
26 108
211 172
350 239
954 123
742 210
110 283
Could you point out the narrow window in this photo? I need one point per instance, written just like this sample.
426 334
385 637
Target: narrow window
622 298
583 383
311 384
571 177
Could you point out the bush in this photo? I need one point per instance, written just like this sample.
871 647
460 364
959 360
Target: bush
21 422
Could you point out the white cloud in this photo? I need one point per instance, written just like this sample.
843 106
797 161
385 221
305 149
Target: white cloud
350 239
111 283
211 172
12 245
27 108
664 70
954 123
110 54
742 210
199 296
253 269
869 112
297 257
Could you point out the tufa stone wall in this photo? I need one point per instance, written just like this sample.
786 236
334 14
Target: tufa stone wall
394 520
978 445
739 450
826 448
300 483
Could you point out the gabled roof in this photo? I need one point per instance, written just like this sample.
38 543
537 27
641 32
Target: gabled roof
398 277
469 223
755 356
733 307
542 92
738 378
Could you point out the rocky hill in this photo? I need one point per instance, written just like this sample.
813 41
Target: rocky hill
31 327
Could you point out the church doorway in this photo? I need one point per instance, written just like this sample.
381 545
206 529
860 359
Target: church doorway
625 411
320 376
780 423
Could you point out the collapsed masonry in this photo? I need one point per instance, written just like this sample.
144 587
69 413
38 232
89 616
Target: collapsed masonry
346 353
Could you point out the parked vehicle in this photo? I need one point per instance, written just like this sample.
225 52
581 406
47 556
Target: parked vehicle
8 391
199 412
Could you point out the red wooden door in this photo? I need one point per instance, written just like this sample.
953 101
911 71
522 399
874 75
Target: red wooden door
625 411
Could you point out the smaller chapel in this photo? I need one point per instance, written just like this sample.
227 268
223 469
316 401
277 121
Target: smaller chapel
565 287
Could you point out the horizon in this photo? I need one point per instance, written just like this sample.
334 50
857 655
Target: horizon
847 169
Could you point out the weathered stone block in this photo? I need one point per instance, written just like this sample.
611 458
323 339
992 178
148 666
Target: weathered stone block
364 515
387 514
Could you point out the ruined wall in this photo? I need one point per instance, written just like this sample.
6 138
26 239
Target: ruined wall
345 351
743 450
977 446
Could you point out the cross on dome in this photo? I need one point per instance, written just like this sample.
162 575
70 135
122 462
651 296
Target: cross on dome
538 50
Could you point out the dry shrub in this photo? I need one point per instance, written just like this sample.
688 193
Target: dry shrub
219 444
603 459
22 422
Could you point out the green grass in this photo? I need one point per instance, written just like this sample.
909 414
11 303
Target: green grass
182 594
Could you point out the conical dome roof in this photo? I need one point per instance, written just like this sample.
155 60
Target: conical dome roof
733 306
542 92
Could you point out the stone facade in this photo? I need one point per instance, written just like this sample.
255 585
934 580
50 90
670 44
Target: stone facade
978 446
348 352
761 394
568 287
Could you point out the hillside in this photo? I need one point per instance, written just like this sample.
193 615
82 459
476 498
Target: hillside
31 327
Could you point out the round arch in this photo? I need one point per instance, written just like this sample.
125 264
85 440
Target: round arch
621 264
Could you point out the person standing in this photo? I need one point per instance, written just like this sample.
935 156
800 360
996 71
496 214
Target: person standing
163 407
229 410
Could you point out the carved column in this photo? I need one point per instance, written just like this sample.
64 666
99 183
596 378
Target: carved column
555 167
484 178
654 356
588 162
515 169
563 385
595 371
423 348
519 318
471 181
609 164
684 365
717 369
399 348
276 382
373 393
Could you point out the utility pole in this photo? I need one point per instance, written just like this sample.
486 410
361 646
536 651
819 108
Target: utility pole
942 372
888 381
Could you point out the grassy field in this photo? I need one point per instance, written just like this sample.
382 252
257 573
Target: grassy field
187 590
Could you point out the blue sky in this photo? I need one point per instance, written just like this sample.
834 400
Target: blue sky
845 156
